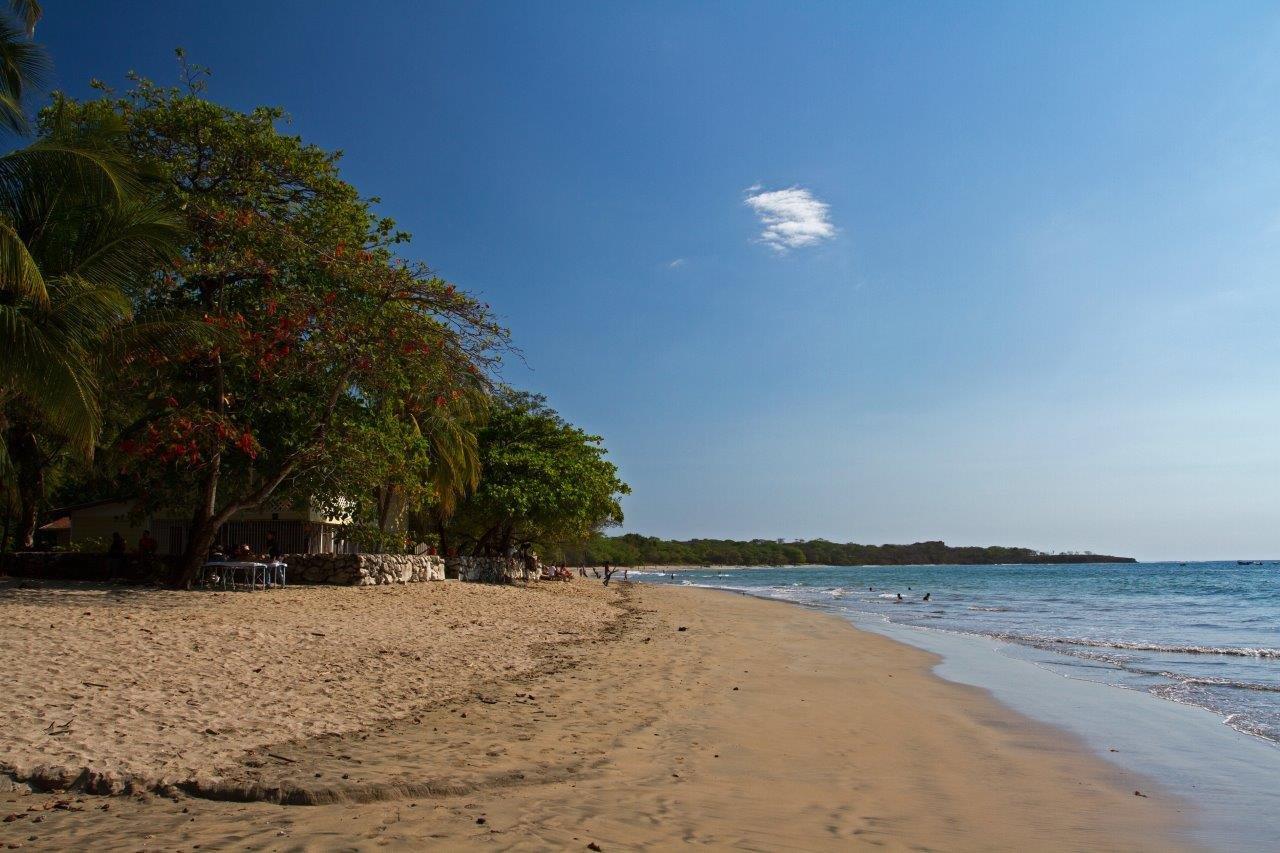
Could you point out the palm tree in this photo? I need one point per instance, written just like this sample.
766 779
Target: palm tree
23 65
454 467
77 237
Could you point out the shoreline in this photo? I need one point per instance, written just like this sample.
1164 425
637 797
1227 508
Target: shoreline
758 725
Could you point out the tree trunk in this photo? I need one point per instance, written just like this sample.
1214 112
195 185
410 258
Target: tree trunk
202 535
443 533
205 523
27 524
30 476
204 528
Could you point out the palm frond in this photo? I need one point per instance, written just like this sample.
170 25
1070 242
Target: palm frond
19 273
29 12
35 356
128 243
23 66
87 165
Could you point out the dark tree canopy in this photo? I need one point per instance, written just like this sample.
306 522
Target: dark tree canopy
633 549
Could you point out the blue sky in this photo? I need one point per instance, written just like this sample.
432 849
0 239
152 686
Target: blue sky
1023 289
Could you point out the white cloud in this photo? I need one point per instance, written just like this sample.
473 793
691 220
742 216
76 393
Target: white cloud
678 262
792 218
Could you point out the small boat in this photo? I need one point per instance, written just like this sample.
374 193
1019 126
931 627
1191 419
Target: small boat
1244 562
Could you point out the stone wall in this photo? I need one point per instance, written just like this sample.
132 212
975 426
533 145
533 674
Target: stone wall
363 569
488 569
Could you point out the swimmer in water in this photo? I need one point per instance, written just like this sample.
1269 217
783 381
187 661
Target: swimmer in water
926 596
899 596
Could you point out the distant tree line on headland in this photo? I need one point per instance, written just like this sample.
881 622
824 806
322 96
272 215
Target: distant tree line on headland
632 549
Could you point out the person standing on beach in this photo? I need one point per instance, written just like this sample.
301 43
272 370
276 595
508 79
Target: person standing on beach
115 554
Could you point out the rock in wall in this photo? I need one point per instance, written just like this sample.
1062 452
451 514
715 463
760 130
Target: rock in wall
363 569
490 569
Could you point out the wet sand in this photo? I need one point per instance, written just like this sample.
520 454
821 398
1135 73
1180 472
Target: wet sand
760 726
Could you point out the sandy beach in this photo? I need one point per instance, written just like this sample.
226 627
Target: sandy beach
552 717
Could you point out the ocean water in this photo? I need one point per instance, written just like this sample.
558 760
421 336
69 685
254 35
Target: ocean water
1203 634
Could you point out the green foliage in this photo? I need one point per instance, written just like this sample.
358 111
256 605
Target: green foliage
23 65
544 483
78 231
203 300
319 333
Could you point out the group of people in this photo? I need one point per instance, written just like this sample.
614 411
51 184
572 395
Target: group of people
557 573
118 551
562 572
148 546
244 553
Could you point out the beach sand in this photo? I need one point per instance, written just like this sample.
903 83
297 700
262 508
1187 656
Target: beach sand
760 726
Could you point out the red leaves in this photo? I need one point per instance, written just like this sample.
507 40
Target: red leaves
184 440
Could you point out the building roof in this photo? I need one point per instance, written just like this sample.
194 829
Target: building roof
64 510
63 523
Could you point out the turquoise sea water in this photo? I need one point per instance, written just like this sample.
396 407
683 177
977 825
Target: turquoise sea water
1203 634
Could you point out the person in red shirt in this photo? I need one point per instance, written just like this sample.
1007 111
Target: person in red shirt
147 545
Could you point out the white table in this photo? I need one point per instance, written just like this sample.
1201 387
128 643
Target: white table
227 570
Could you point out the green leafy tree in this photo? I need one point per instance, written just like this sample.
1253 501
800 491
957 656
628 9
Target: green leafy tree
543 483
417 459
319 323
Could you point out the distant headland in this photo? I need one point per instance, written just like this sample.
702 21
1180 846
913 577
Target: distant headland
632 549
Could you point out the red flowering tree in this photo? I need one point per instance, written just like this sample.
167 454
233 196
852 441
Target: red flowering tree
317 322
